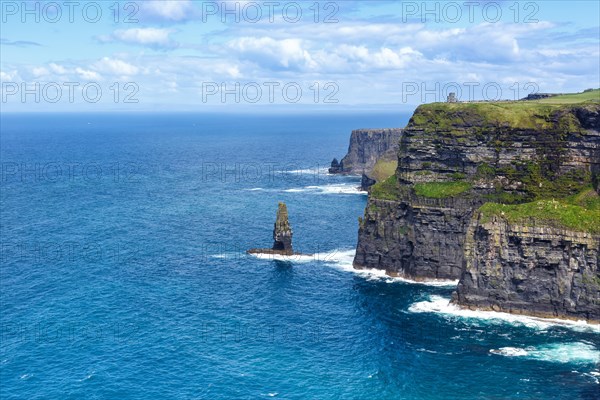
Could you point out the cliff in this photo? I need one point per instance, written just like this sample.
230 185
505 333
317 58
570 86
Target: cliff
372 152
457 161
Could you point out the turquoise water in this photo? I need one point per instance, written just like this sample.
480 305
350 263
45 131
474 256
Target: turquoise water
124 275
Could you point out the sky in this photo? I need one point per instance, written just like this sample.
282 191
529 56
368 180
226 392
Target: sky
184 55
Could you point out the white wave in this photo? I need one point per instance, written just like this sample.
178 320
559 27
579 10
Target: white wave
87 377
576 352
593 376
308 171
343 259
338 188
509 351
229 256
297 258
441 305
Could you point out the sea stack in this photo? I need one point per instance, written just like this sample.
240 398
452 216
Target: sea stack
282 231
282 235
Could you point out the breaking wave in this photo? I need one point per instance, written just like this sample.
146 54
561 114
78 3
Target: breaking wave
575 352
442 305
342 259
333 188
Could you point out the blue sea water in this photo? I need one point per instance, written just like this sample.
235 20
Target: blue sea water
123 274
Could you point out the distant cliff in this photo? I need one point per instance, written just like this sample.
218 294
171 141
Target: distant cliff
372 152
468 172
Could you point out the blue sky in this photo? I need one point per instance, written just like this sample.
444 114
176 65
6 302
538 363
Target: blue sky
366 55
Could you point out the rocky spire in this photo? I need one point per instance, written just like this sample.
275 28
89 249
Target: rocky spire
282 231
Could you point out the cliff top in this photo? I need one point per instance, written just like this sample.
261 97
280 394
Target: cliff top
546 113
529 160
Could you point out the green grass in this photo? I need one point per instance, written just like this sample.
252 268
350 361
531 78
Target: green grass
464 118
441 190
588 198
383 169
579 212
572 98
385 190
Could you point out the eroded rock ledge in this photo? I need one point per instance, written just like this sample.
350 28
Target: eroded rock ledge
529 269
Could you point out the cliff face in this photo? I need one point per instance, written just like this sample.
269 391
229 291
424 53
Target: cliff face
454 159
366 147
532 270
414 238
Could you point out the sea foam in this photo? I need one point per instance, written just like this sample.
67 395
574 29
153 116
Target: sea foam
442 305
332 188
574 352
342 259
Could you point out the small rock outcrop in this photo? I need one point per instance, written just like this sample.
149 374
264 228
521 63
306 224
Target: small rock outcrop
282 235
336 167
366 182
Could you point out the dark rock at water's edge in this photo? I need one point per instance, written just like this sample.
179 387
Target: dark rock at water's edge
366 182
366 147
336 167
282 235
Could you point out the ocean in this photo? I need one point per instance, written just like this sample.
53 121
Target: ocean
124 273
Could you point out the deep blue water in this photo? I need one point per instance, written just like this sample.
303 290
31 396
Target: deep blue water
123 274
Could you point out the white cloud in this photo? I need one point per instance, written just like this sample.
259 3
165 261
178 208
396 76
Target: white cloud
172 87
168 10
145 36
234 72
9 76
87 74
57 68
115 67
277 54
39 71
